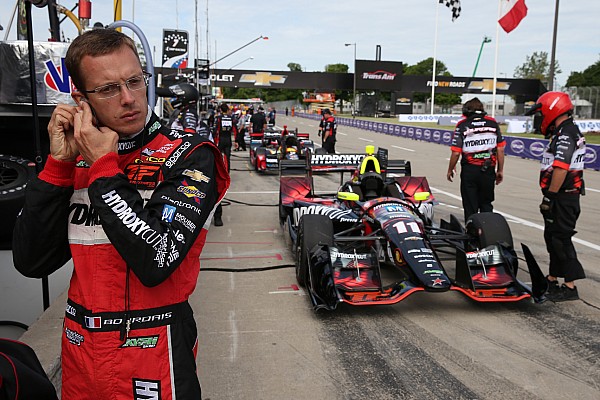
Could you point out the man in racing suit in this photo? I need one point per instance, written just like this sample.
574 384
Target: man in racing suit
225 127
329 131
561 181
479 139
129 201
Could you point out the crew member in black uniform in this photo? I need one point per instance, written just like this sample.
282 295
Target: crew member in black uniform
561 181
478 138
225 128
258 121
329 131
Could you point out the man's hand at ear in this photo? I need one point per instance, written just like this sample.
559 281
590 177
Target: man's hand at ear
93 143
63 146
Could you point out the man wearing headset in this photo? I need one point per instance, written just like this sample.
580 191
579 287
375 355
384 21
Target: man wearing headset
479 139
561 181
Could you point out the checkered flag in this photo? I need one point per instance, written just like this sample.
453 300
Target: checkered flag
454 5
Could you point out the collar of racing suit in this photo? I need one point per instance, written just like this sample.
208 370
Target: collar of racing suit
133 142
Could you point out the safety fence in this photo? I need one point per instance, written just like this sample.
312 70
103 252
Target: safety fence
531 148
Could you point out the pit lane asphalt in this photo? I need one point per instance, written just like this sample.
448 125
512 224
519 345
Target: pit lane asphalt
260 339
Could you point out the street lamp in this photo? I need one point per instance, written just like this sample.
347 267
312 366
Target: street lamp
243 61
484 41
354 88
238 49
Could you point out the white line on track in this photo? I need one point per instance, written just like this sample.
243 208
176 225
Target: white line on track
592 190
520 220
402 148
341 133
366 140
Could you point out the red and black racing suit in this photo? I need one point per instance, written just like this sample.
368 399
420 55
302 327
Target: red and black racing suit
565 150
134 224
477 138
329 125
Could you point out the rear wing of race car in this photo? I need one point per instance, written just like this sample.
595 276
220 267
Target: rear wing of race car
318 163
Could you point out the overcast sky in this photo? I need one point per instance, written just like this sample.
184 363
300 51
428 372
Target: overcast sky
313 33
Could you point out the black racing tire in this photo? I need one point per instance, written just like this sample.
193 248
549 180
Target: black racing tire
320 150
320 230
489 228
15 172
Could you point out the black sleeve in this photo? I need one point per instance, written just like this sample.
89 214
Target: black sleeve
40 242
154 238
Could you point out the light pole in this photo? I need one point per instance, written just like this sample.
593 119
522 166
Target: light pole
354 86
503 97
484 41
243 61
238 49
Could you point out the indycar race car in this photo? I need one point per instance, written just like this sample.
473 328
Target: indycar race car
374 241
266 150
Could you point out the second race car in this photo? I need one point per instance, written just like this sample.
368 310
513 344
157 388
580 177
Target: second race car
374 241
268 148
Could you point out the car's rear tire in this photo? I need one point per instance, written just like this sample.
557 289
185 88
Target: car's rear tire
312 230
15 172
489 228
261 151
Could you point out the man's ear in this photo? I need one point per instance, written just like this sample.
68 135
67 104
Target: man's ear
78 96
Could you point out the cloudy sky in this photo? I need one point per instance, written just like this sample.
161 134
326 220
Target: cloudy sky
313 33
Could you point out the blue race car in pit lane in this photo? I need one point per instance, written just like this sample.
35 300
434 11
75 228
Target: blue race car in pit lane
374 241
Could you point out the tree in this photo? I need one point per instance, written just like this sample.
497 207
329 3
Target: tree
589 77
425 67
294 67
337 68
537 66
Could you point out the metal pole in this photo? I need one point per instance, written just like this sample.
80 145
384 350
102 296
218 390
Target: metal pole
437 8
484 41
552 57
36 124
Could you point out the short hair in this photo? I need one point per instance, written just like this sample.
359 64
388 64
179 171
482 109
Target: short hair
472 106
96 42
224 108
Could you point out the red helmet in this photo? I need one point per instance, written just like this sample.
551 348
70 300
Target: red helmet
550 105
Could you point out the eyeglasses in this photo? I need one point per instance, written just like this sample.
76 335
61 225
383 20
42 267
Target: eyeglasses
114 89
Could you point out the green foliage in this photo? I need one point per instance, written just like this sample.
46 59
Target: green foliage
425 67
537 66
294 67
589 77
337 68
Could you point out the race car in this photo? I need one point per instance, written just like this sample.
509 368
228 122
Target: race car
266 150
374 241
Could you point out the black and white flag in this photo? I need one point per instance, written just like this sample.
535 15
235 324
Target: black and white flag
454 5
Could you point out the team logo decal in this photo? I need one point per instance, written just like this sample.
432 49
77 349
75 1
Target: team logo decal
142 342
146 389
196 175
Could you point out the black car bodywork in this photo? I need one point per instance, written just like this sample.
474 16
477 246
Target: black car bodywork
381 249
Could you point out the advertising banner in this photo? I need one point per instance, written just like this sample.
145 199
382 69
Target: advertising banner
53 82
531 148
378 75
175 49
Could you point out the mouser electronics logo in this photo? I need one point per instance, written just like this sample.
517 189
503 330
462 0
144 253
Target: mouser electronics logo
337 159
487 85
262 78
379 76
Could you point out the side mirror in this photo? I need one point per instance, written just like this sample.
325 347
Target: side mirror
348 196
421 196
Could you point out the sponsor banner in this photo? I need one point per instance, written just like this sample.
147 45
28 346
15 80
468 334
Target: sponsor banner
531 148
175 49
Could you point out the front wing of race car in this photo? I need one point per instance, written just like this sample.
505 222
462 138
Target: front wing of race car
357 279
